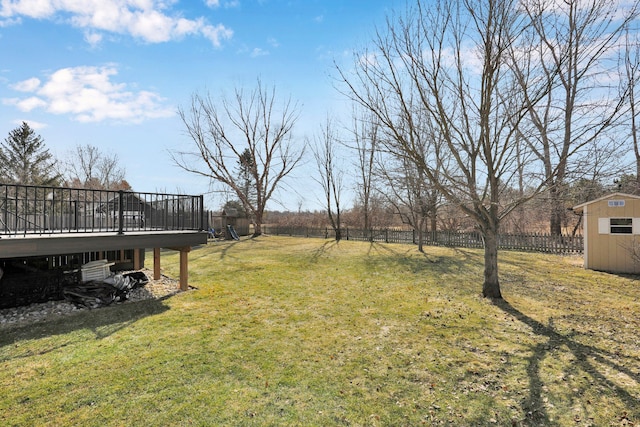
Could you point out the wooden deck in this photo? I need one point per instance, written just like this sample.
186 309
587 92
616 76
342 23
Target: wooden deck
40 221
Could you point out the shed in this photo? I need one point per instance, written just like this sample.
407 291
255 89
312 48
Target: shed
611 229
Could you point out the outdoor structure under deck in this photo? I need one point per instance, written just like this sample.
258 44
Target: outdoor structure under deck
38 221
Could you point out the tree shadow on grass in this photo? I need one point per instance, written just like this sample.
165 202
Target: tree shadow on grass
322 249
102 322
229 244
417 262
585 357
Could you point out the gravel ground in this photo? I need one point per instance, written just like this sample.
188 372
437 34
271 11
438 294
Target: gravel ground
163 287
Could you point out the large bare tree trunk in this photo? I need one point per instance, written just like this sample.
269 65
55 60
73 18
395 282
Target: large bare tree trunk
257 224
556 211
491 284
433 217
421 230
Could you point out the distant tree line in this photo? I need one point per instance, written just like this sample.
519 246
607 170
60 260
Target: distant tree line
25 160
533 217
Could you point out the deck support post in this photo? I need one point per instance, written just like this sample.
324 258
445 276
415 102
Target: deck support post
184 265
184 268
156 263
136 259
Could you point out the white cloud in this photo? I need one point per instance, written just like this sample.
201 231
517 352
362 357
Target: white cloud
28 85
214 34
256 52
38 9
29 103
228 4
93 38
273 42
33 125
148 20
8 22
89 94
368 59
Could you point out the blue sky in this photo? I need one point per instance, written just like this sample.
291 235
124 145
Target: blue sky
112 73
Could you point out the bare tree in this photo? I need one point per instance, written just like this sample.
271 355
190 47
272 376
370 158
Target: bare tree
366 134
249 127
330 174
408 187
88 167
632 82
576 43
443 70
408 192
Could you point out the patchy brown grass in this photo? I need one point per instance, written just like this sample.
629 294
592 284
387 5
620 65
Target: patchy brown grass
285 331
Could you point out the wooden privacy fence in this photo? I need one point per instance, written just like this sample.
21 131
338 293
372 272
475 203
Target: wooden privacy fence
533 242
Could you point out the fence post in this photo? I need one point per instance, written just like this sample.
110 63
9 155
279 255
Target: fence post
202 213
120 212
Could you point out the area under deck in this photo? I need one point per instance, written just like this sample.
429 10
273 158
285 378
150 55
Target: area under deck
57 244
39 221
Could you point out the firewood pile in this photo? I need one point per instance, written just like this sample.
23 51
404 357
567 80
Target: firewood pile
100 293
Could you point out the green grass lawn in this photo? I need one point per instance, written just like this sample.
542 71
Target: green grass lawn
308 332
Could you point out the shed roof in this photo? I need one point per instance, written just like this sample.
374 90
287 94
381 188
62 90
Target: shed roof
230 212
580 207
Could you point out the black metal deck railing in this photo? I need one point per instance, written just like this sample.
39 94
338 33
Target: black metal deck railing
27 209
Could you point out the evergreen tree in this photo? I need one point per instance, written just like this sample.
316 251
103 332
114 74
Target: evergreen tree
25 160
246 180
237 206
